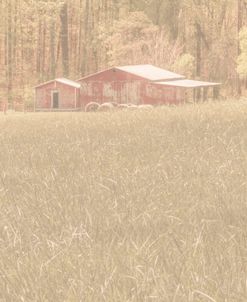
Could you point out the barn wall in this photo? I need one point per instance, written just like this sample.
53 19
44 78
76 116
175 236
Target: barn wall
122 87
68 96
43 95
104 91
135 92
160 94
111 86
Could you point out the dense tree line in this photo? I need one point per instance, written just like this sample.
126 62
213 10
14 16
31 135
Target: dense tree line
42 39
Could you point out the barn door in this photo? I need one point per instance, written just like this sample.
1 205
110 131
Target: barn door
55 99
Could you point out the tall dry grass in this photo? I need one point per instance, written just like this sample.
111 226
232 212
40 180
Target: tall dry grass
125 206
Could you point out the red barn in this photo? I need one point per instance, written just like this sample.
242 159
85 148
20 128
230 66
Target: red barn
59 94
129 84
135 84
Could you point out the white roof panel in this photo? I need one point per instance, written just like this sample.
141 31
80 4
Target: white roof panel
61 80
150 72
188 83
68 82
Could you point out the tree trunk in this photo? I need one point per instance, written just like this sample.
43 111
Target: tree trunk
85 42
9 53
64 39
198 50
78 64
38 51
43 62
239 88
52 50
198 56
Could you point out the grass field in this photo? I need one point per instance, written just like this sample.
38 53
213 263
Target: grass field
125 206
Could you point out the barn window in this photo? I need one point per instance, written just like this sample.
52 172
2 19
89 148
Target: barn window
55 99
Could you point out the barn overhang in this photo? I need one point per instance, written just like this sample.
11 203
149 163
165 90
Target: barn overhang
184 83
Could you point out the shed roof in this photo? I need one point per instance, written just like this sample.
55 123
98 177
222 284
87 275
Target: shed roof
62 81
188 83
150 72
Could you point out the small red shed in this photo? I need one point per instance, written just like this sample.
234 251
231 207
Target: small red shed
58 95
130 84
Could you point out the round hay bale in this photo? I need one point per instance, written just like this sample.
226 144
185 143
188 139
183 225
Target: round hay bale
145 107
122 106
92 107
105 107
115 104
132 107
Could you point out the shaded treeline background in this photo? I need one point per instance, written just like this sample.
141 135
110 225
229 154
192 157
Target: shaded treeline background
40 40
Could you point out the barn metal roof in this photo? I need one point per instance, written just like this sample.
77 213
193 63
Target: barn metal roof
150 72
62 81
68 82
188 83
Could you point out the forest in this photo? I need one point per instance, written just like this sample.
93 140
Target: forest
41 40
137 202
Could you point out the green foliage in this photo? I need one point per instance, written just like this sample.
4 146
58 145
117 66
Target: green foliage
243 39
185 64
136 40
129 39
242 59
28 95
105 33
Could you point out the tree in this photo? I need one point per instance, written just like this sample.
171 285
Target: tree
42 39
64 38
136 40
86 34
242 59
185 64
9 51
